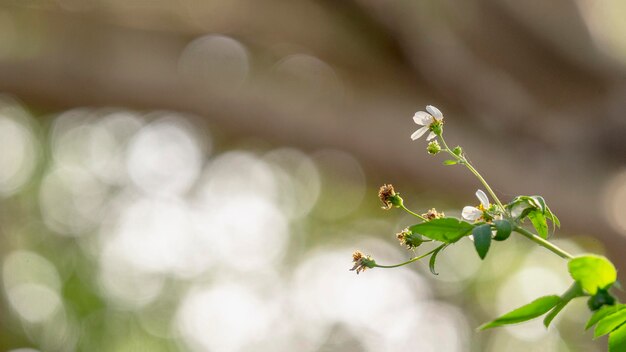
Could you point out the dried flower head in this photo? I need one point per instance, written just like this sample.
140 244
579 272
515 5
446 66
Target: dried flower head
433 214
361 262
409 239
389 197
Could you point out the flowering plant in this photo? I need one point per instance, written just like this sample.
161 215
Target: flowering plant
592 275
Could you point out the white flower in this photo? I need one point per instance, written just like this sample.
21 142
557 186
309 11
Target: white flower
474 213
426 119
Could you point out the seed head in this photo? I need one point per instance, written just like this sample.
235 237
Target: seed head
409 239
361 262
433 214
389 197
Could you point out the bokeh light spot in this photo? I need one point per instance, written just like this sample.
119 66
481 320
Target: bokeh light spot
215 60
615 202
19 154
165 157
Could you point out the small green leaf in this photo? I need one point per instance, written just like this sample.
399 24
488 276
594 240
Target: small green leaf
531 201
450 162
617 340
593 272
553 217
540 202
572 292
520 206
539 222
482 239
447 230
433 258
532 310
610 323
602 313
503 229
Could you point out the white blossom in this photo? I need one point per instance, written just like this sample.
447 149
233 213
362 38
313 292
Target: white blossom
475 213
425 119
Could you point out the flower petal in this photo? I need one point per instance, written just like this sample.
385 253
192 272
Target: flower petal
431 135
471 213
483 198
422 118
435 112
417 134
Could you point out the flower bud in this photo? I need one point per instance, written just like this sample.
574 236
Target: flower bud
457 150
433 147
389 197
601 298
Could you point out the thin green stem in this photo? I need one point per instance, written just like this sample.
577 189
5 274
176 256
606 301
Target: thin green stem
540 241
469 166
412 213
531 236
482 180
413 259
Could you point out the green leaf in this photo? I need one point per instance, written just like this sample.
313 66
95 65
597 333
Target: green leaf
450 162
532 310
482 239
433 258
617 340
602 313
593 272
552 217
539 222
610 323
503 229
522 204
540 202
532 202
447 230
572 292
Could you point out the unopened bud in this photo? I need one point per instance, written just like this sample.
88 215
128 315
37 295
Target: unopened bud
433 147
601 298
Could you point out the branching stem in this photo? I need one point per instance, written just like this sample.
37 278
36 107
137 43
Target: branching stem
413 259
462 160
413 213
531 236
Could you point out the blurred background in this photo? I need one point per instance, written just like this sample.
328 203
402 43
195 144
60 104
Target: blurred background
194 175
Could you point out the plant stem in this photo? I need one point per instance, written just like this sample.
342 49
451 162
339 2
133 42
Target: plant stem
540 241
531 236
412 213
469 166
413 259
